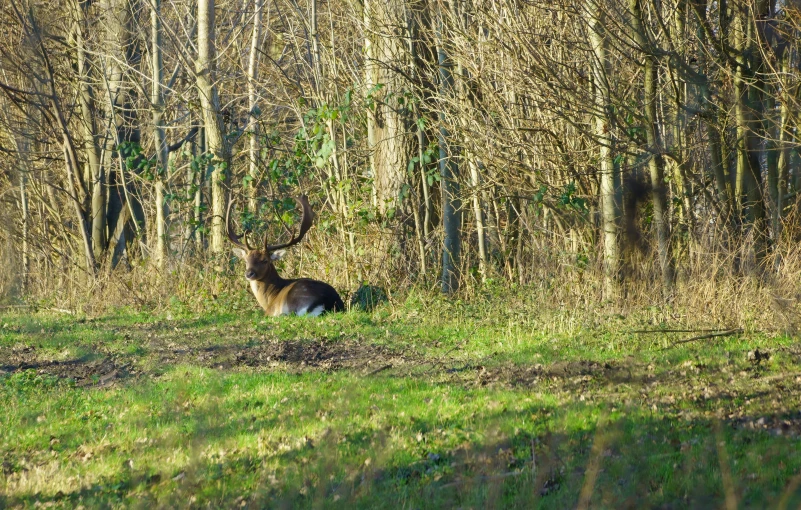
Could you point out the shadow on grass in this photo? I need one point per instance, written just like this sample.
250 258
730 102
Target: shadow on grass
602 453
521 453
625 459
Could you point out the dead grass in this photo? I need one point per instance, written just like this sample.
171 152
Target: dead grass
714 288
9 269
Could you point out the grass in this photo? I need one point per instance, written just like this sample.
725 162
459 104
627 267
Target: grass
426 404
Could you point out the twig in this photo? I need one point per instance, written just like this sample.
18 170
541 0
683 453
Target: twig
484 478
647 331
379 369
704 337
62 310
440 361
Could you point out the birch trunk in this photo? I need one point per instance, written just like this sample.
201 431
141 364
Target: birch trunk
609 206
253 112
159 137
205 67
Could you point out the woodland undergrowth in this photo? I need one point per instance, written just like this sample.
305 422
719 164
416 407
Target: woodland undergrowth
715 288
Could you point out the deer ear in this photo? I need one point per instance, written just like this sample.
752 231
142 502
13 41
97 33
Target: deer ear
278 254
239 252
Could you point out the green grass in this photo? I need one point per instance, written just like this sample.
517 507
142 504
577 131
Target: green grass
429 404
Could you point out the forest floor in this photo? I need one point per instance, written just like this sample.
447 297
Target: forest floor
426 405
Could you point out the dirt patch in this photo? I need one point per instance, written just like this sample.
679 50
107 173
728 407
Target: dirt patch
567 373
324 355
105 369
83 371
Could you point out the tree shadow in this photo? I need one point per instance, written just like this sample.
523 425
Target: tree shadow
538 455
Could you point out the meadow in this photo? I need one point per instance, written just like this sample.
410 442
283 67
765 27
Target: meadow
425 402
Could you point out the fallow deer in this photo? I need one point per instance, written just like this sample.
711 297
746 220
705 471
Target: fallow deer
276 295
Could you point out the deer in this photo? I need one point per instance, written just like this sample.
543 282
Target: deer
276 295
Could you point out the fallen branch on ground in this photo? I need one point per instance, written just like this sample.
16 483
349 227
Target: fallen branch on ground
647 331
704 337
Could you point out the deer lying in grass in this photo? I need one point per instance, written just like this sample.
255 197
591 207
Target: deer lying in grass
277 296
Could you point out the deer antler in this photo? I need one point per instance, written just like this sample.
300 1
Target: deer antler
235 239
305 224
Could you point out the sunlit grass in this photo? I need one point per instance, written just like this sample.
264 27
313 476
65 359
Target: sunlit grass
458 410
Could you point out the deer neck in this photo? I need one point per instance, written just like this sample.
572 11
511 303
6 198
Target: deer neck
266 291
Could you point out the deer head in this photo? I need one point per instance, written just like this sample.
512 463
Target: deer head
259 261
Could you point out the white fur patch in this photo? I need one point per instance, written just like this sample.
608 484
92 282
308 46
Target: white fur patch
314 312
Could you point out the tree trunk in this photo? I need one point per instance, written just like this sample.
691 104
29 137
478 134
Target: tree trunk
478 216
212 119
656 167
609 206
748 111
253 107
389 140
782 157
680 134
94 172
656 161
200 183
159 137
23 200
449 174
412 23
719 168
75 186
122 125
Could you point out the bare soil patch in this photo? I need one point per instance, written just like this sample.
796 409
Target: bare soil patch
293 354
87 371
104 368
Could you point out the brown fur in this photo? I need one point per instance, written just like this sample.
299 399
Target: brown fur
278 296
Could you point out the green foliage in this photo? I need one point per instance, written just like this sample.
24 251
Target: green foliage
29 380
367 297
313 145
564 199
426 163
634 128
132 155
270 214
569 200
371 93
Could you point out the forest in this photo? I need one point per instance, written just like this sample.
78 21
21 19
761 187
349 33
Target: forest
584 214
622 146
